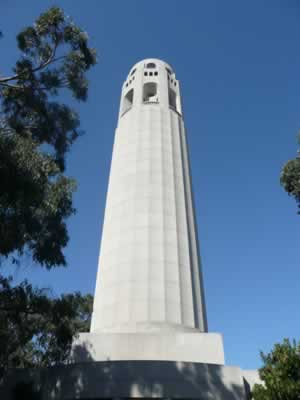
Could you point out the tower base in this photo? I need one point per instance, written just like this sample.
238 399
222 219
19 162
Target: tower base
181 365
131 379
180 346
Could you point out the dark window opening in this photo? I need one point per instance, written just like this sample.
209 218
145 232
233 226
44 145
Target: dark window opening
127 101
150 93
146 73
151 65
155 73
133 71
151 73
169 71
172 99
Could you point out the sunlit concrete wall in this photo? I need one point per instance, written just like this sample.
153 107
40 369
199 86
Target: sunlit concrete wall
149 275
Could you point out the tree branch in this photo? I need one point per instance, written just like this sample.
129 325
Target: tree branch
19 311
10 85
50 60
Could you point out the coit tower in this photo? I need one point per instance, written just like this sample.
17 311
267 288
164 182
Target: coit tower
149 276
149 297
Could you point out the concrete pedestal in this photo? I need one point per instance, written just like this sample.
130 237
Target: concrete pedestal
132 379
174 365
173 346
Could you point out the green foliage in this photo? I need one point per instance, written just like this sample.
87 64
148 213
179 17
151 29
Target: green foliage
36 329
34 201
36 132
290 179
280 373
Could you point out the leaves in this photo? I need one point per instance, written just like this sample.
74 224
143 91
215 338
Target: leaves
56 55
35 201
36 329
36 133
280 373
290 179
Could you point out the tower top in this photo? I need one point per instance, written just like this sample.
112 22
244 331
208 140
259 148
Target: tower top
151 63
150 82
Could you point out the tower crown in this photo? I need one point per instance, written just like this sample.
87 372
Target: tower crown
150 81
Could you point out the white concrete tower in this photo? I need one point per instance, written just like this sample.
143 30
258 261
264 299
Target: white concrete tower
149 297
149 275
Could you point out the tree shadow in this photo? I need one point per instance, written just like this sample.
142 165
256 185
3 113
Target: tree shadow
90 379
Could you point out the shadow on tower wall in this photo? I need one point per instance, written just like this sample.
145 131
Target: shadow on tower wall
124 379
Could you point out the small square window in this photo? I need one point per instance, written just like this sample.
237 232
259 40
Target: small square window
151 73
145 73
171 80
155 73
175 83
126 84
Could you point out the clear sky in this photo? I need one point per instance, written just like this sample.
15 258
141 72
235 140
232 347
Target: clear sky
239 67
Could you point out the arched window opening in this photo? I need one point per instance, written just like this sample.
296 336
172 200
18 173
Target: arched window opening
127 101
172 99
150 93
151 65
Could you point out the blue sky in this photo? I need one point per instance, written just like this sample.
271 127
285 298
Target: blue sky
238 63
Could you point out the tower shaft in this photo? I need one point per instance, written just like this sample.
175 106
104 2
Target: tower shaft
149 276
